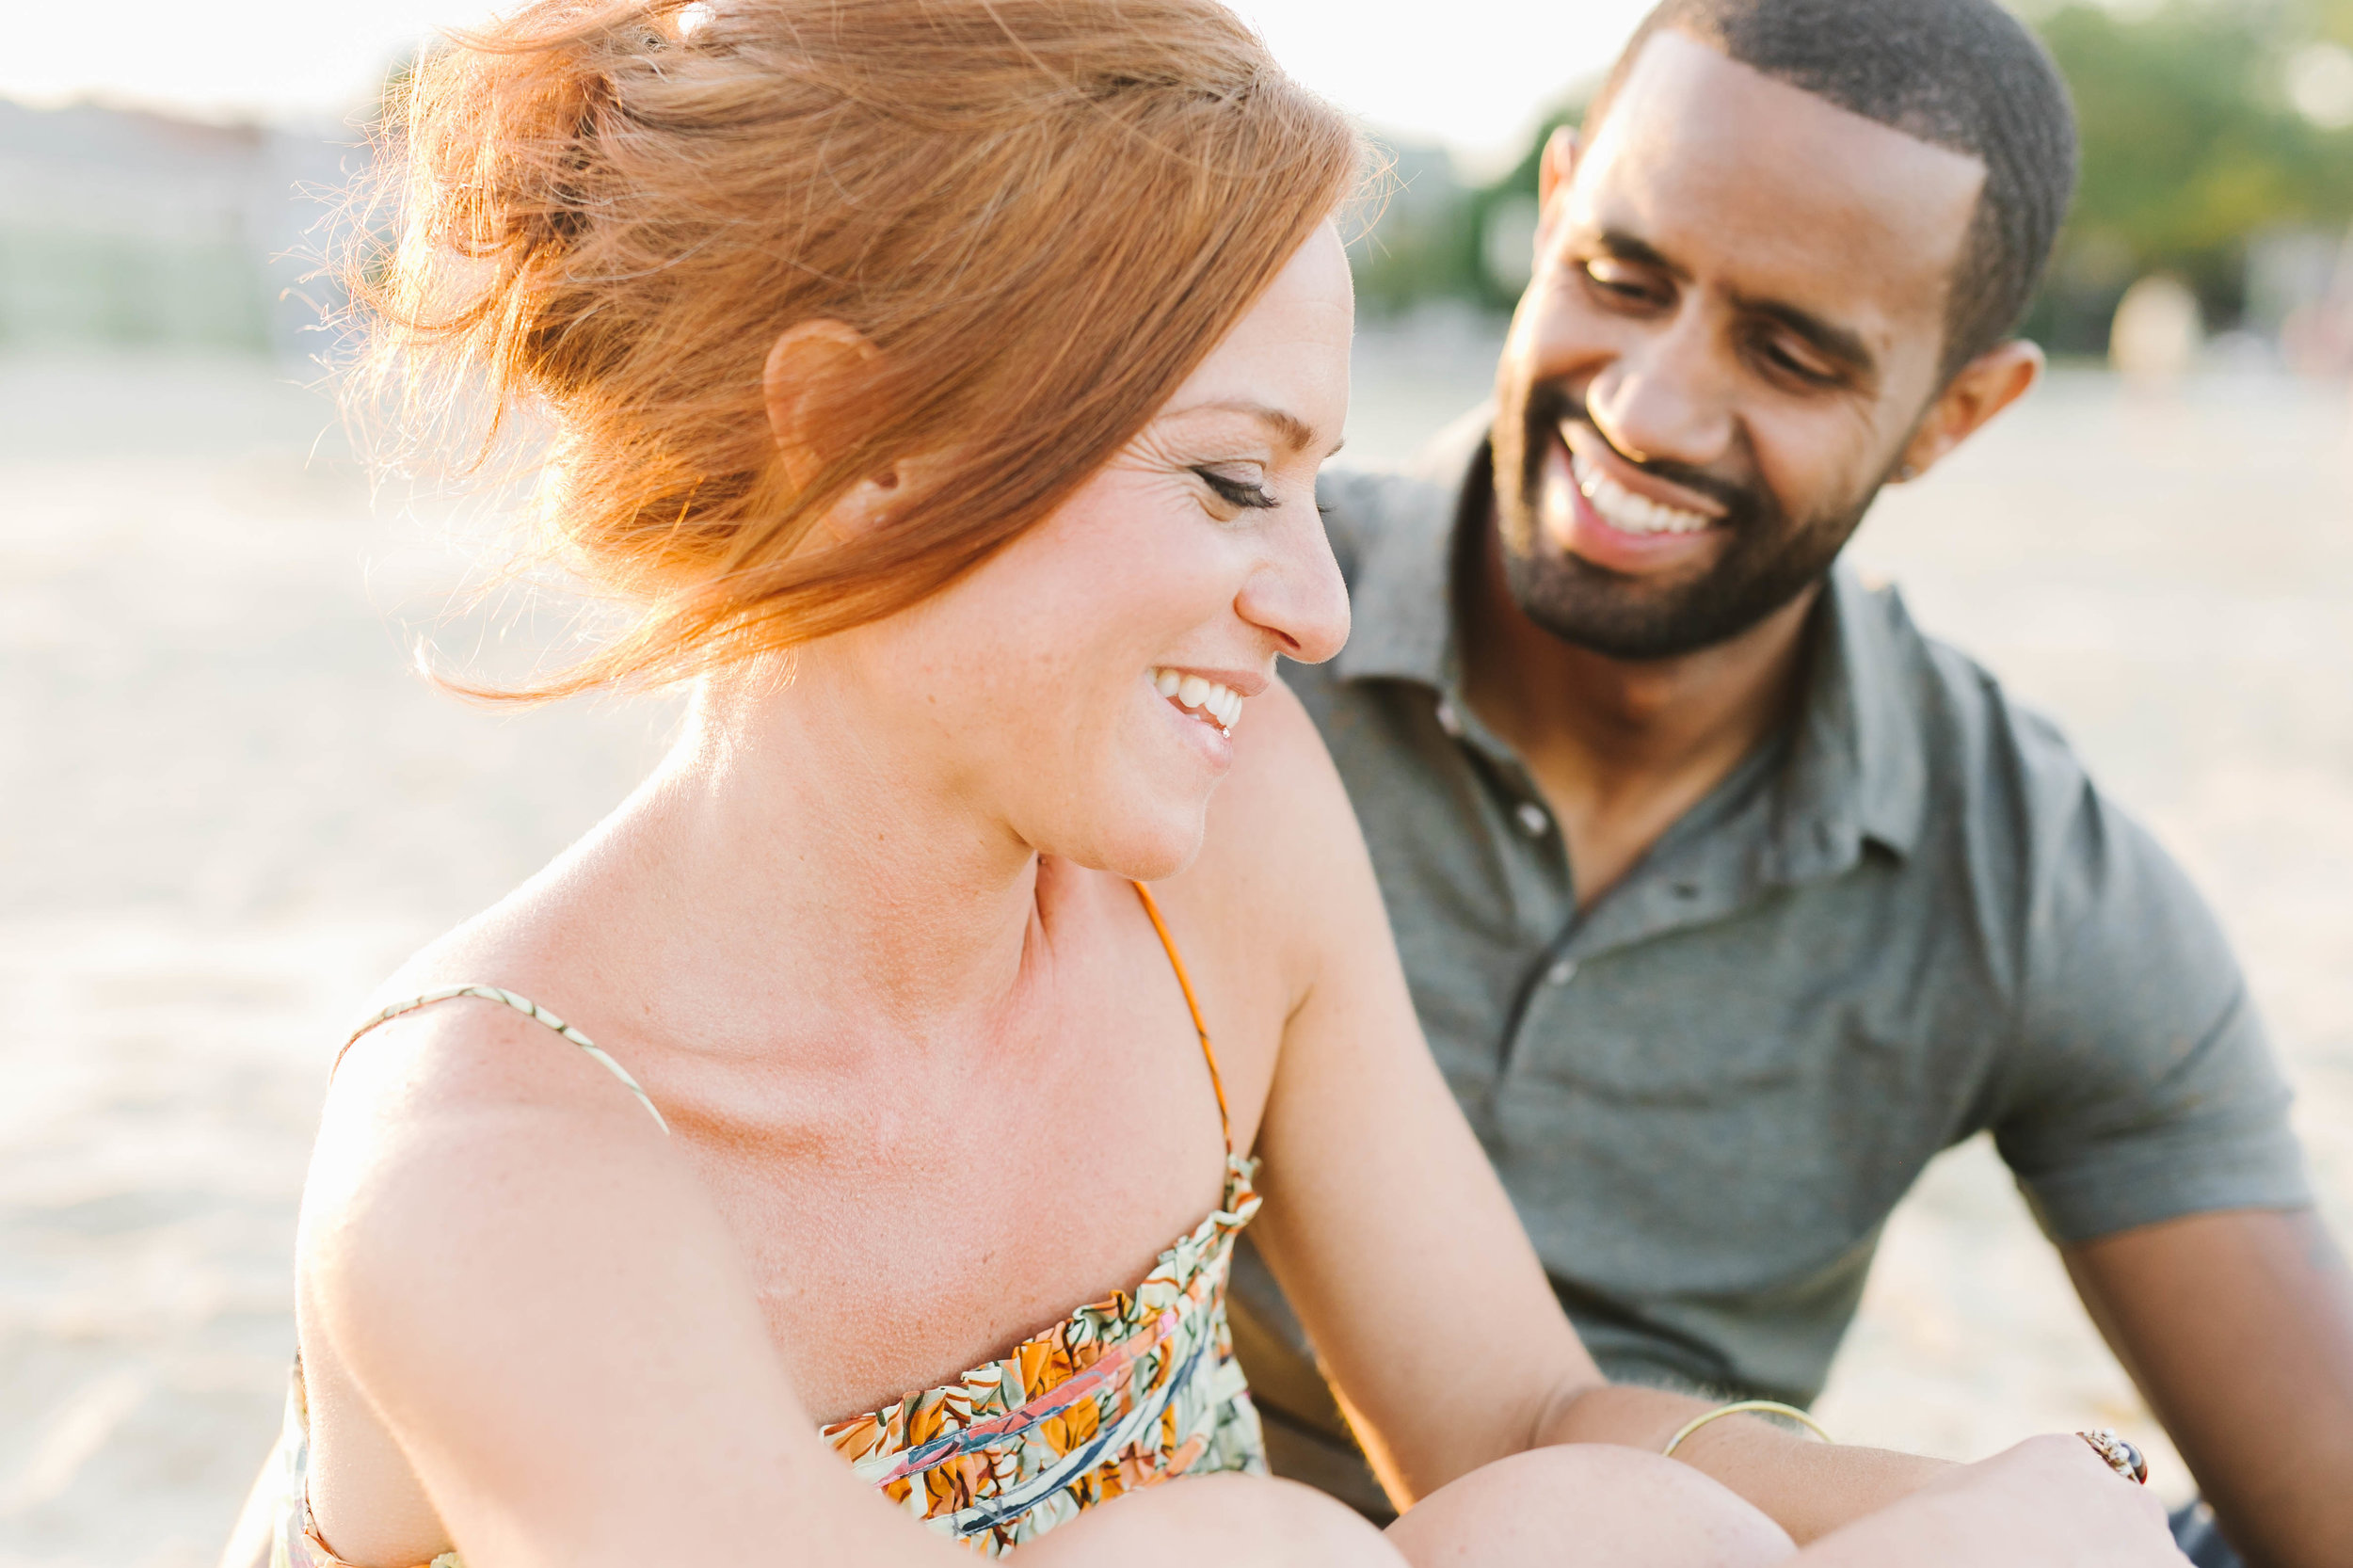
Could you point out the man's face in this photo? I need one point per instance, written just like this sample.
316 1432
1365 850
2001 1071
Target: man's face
1736 322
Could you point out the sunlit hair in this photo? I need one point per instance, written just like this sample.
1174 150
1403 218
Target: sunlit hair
1043 212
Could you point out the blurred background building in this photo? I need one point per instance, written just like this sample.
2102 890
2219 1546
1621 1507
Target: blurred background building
136 227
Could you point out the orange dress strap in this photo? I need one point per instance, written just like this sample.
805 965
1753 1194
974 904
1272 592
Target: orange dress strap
1184 983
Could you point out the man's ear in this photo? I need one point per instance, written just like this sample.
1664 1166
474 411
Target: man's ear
815 366
1981 389
1553 171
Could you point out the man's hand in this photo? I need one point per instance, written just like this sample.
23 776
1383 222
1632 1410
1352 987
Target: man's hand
2239 1327
2050 1502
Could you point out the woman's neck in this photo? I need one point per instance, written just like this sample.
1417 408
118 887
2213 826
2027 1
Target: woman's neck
793 858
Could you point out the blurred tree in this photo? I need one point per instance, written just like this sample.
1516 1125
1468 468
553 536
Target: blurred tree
2205 124
2192 145
1502 213
1416 237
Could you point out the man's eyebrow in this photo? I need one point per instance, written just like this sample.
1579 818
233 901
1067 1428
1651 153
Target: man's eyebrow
1839 344
1842 345
1297 434
1632 247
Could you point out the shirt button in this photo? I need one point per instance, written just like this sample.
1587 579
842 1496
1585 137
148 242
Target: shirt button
1533 821
1561 973
1448 720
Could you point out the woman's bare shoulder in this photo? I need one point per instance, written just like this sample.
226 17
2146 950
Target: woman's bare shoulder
466 1062
1282 862
517 942
453 1099
498 1239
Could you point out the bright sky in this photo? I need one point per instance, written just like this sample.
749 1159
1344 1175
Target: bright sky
1472 73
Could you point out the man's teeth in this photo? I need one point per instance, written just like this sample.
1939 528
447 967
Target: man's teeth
1222 704
1628 513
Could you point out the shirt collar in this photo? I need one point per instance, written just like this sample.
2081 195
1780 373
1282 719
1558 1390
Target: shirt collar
1855 769
1402 597
1863 736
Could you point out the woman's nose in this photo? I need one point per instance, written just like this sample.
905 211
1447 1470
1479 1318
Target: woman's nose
1297 596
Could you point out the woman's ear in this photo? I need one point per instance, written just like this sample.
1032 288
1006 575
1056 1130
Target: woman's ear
815 367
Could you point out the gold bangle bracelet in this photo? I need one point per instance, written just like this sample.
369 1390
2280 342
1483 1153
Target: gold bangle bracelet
1745 1407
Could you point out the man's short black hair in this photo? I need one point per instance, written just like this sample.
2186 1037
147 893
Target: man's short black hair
1963 74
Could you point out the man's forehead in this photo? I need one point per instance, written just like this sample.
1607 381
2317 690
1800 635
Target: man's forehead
1716 165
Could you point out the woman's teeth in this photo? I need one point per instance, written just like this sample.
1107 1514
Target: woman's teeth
1209 701
1626 512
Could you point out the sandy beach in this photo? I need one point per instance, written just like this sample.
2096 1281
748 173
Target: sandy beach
231 805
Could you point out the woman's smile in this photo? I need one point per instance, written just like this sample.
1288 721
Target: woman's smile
1211 702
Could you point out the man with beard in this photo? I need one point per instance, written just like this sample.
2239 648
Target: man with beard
1727 896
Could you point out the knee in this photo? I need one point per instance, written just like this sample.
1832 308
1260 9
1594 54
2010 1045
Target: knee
1283 1522
1587 1504
1235 1520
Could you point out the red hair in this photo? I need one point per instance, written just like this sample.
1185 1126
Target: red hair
1041 212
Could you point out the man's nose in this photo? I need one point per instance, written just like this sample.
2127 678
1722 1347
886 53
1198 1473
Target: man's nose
1667 396
1295 593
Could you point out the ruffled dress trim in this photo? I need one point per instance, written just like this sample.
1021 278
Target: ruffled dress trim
1122 1393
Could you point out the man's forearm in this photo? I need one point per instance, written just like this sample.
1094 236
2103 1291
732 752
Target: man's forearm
2239 1327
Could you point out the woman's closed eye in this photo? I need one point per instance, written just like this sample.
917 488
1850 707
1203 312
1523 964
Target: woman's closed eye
1238 485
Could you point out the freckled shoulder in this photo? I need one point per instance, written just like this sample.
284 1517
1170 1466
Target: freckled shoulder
458 1069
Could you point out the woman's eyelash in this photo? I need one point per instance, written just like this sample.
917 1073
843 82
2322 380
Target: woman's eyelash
1236 493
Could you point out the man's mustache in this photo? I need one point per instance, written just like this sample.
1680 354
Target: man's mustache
1550 405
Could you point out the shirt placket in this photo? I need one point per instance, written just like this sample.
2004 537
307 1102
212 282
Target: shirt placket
1669 887
1528 844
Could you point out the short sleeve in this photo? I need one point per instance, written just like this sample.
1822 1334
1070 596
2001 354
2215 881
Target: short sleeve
2144 1087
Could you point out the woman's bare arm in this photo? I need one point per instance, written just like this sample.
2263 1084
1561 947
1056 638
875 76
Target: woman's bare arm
1386 1225
1383 1221
505 1258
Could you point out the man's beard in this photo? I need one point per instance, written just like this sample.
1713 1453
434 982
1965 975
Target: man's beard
1767 561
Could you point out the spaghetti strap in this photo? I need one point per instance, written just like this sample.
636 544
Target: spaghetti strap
534 1011
1184 983
537 1013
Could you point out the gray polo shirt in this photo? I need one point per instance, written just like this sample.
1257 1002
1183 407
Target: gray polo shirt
1910 917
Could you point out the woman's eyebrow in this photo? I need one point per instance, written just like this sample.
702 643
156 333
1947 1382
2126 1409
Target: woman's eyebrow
1297 434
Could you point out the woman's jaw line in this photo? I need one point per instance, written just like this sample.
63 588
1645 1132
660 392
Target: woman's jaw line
775 744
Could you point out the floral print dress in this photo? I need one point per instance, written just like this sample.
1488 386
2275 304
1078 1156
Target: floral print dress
1122 1393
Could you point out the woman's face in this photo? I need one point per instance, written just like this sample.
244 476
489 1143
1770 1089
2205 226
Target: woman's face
1088 684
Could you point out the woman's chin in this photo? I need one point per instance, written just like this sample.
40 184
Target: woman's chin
1144 845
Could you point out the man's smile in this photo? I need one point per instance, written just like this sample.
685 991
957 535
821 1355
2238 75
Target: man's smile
1596 505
